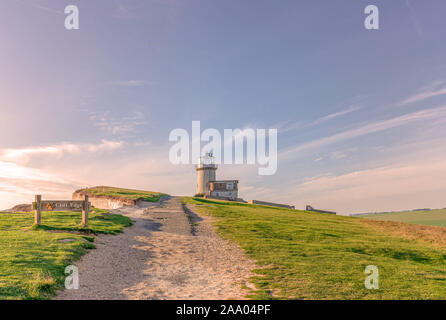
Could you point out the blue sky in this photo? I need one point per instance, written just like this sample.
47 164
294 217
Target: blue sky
361 114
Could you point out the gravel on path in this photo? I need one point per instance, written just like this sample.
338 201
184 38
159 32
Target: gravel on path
162 256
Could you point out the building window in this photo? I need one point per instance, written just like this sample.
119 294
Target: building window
229 186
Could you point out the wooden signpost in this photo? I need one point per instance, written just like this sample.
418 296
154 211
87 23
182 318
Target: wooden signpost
61 205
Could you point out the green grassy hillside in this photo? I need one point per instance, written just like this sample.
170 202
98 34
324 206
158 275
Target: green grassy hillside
126 193
304 255
427 217
33 259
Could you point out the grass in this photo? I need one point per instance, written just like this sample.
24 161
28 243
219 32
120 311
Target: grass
305 255
427 217
33 259
126 193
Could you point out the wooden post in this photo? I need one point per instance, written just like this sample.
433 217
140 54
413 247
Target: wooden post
37 211
85 212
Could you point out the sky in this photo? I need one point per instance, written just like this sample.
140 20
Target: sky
361 114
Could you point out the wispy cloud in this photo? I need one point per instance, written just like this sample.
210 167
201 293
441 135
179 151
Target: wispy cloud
414 18
373 127
288 126
33 4
118 124
433 85
291 126
10 170
40 170
124 11
336 114
58 150
429 91
378 189
19 184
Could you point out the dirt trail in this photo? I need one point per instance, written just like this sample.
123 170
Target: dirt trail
162 257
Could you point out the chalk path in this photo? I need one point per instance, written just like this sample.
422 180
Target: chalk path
162 257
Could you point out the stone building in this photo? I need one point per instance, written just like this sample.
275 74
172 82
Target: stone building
271 204
310 208
207 184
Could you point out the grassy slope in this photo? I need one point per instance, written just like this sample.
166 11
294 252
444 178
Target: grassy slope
127 193
33 260
428 217
303 255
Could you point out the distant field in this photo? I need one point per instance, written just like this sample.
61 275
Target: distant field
126 193
428 217
303 255
33 259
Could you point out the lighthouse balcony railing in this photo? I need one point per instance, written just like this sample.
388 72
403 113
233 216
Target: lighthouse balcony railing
206 165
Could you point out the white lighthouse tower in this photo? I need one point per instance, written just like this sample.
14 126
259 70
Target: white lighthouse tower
206 169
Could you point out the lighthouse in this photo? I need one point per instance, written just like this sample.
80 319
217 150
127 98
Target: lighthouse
206 169
207 184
